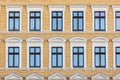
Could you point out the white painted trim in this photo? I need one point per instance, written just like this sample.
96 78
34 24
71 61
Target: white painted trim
116 43
78 76
13 8
57 42
13 76
34 42
57 7
99 42
78 8
100 76
99 8
35 8
116 77
77 42
115 8
56 76
14 42
34 76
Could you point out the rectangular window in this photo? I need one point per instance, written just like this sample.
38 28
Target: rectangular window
117 20
13 57
35 21
117 56
78 21
57 57
78 56
14 21
35 57
100 21
100 56
57 20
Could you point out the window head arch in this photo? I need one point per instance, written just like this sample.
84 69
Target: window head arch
13 76
34 76
101 39
57 39
34 39
13 39
57 76
78 76
100 76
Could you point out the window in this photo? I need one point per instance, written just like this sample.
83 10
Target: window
57 59
117 20
13 58
35 20
78 21
100 57
117 56
14 20
78 57
57 21
100 21
35 57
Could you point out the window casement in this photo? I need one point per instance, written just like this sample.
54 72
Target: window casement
116 52
100 57
34 76
116 10
78 76
78 17
34 53
13 76
35 17
100 76
57 52
100 52
78 52
56 76
57 17
99 13
13 53
14 18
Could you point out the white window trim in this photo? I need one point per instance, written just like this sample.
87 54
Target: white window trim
14 42
99 8
99 42
56 76
14 8
116 77
56 8
78 76
78 8
35 8
57 42
77 42
13 76
34 76
115 8
34 42
99 76
116 43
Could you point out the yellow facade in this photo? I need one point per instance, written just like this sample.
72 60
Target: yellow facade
45 34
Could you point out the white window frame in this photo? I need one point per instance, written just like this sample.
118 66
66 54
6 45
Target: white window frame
78 8
99 42
77 42
115 8
14 42
35 8
13 76
100 76
116 43
56 42
78 76
99 8
34 76
34 42
116 77
58 7
14 8
56 76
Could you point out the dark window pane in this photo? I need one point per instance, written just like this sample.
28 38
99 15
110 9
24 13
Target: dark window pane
118 49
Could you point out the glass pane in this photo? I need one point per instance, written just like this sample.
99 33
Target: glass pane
75 23
38 50
38 24
59 60
102 60
81 50
75 50
10 60
32 23
11 24
118 23
97 23
80 23
75 60
37 60
75 13
97 62
54 14
10 50
17 14
11 14
80 14
16 60
54 24
54 50
31 50
59 23
60 50
17 50
118 60
97 49
31 60
60 14
102 14
118 49
96 13
16 24
53 60
38 14
81 60
32 14
102 23
102 49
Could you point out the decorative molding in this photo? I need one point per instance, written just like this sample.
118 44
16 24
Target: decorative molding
13 76
57 76
116 77
100 76
78 76
34 76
